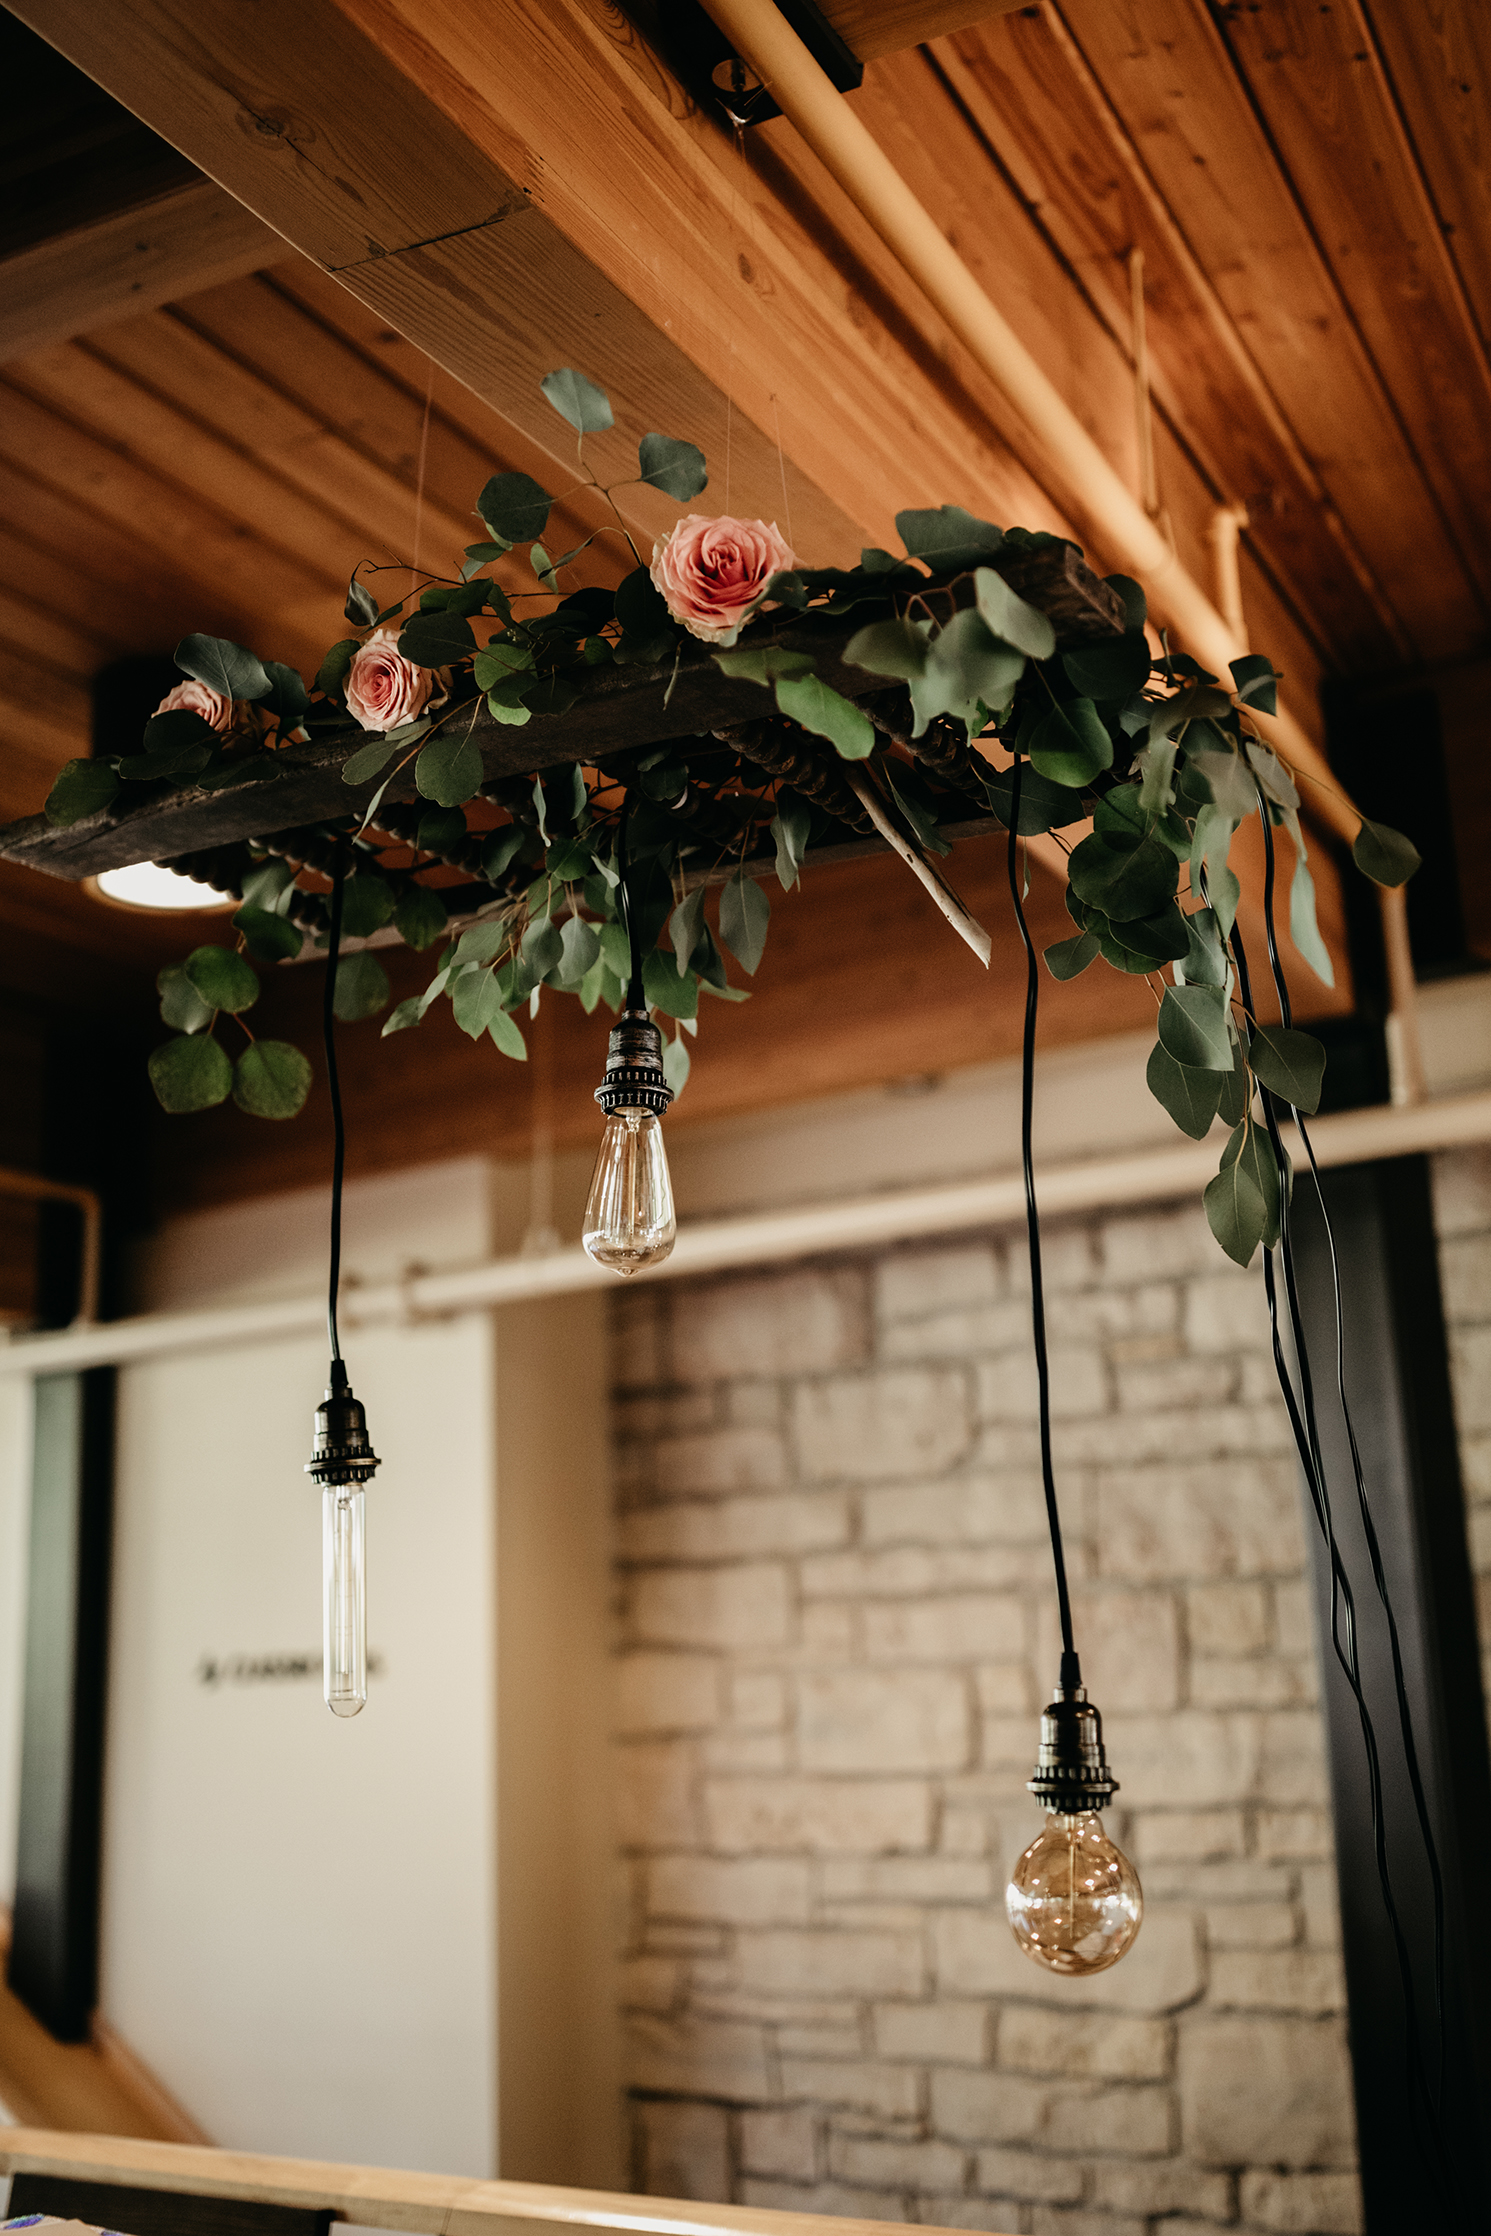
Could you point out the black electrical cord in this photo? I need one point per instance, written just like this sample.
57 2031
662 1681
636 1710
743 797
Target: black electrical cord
1071 1674
1304 1426
635 998
1369 1526
339 1131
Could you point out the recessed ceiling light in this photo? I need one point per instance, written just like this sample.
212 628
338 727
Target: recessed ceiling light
154 891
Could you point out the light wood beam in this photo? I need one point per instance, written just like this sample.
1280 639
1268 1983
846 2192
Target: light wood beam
130 260
874 27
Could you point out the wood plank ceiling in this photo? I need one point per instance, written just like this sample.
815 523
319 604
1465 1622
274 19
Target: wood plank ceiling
1310 192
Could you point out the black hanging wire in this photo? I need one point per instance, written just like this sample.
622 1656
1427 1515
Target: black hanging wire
339 1131
1071 1674
1304 1426
1369 1526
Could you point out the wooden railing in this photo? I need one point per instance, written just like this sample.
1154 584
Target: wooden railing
376 2197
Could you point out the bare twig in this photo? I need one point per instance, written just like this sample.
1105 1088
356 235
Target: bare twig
967 927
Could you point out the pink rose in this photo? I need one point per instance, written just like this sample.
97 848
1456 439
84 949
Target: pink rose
383 688
711 572
198 698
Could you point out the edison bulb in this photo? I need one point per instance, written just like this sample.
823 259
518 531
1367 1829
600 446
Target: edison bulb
629 1219
1074 1901
344 1606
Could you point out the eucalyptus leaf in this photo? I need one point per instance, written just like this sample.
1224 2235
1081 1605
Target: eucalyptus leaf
1205 960
222 978
271 1079
1209 845
361 605
80 788
1190 1096
581 947
189 1074
809 700
1109 667
764 663
1271 773
1304 927
1135 607
677 468
978 663
1257 685
684 927
368 761
440 830
1009 618
790 827
420 916
1237 1091
745 913
1156 762
1193 1027
476 1001
1236 1212
436 640
181 1006
586 407
449 770
1070 745
503 849
676 1064
665 990
223 666
895 647
1159 938
515 507
1250 1150
362 987
1123 878
332 673
949 538
1070 957
1290 1063
1044 806
271 938
1384 854
288 697
502 658
1231 781
542 946
367 904
484 942
506 1036
403 1015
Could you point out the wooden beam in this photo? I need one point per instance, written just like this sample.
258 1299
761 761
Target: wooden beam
128 260
875 27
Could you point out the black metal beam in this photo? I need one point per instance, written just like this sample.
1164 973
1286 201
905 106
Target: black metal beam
1397 1380
53 1964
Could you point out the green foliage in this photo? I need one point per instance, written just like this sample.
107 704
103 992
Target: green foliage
1190 1095
515 507
362 987
181 1006
420 916
1123 876
677 468
506 1036
1070 744
790 827
361 606
190 1074
1009 618
745 913
1257 685
895 647
223 666
1193 1027
477 1001
436 640
271 1079
270 938
1044 806
810 701
948 539
665 990
176 744
367 904
222 978
1291 1063
1385 855
332 673
80 788
449 769
1070 957
586 407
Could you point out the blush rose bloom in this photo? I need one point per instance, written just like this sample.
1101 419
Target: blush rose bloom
711 572
200 698
383 688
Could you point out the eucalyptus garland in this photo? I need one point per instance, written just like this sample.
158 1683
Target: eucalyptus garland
1164 757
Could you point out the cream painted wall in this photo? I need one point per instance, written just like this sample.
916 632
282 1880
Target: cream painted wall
15 1509
299 1914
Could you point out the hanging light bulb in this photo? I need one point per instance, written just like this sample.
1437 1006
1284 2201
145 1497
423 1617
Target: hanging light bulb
629 1216
343 1463
1074 1900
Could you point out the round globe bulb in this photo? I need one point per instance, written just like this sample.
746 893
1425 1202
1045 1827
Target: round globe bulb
1074 1900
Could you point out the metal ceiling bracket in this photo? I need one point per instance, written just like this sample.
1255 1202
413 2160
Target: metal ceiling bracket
721 82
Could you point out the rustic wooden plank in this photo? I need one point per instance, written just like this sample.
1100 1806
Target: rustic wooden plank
1172 81
618 707
875 27
1318 81
130 260
1438 61
1048 123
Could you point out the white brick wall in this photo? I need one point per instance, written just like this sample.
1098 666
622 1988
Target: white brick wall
838 1628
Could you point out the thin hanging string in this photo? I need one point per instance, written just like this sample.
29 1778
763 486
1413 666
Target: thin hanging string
782 467
419 486
1071 1674
1369 1526
729 414
339 1131
1305 1428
